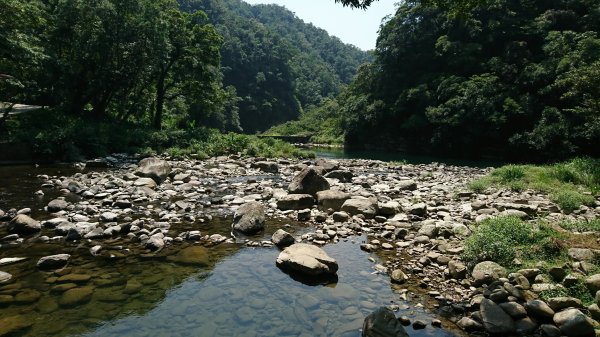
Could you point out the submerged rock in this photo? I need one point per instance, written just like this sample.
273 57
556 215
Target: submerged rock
76 296
194 256
307 260
383 323
249 218
13 324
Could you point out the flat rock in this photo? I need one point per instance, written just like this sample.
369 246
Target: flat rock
307 260
57 205
364 206
540 310
53 262
5 277
13 324
331 199
76 296
295 202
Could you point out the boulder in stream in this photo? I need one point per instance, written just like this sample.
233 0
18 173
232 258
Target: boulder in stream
308 181
249 218
306 259
383 323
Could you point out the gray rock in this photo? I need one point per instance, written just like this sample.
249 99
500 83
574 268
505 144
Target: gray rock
154 168
340 216
267 166
469 325
407 185
145 182
550 330
79 230
155 242
594 310
57 205
539 309
525 326
295 202
307 259
593 283
581 254
23 224
573 323
282 238
342 176
457 270
389 208
308 181
419 209
367 207
398 276
5 277
514 309
331 199
53 262
249 218
108 217
429 230
513 212
383 323
495 320
487 272
560 303
325 166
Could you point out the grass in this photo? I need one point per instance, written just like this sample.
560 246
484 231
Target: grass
582 226
569 184
578 290
505 239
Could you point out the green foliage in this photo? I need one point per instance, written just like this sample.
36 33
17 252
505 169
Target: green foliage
512 79
582 226
505 238
569 184
578 290
322 124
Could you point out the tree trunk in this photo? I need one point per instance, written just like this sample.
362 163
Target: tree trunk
160 101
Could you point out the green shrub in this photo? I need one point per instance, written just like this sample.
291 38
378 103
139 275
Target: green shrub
479 185
582 226
509 173
570 200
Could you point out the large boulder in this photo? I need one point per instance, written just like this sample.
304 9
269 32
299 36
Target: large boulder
574 323
282 238
154 168
487 272
53 262
365 206
295 202
307 260
331 199
249 218
23 224
495 320
325 166
593 283
57 205
383 323
308 181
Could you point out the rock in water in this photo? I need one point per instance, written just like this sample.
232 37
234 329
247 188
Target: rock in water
13 324
383 323
23 224
249 218
53 262
308 181
5 277
495 320
307 259
76 296
282 238
154 168
192 256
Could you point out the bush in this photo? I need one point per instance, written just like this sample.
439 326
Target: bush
503 239
509 173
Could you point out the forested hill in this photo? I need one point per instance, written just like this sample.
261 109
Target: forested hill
514 78
278 64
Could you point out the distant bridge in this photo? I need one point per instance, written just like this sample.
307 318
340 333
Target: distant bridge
289 139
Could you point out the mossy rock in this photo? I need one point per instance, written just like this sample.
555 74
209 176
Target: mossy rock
12 324
197 256
76 296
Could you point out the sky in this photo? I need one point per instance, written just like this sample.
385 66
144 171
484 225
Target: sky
354 26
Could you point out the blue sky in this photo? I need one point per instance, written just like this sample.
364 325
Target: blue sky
354 26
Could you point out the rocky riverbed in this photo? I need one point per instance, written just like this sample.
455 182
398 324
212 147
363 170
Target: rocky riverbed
413 218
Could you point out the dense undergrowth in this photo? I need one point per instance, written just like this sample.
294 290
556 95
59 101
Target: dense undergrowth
54 136
569 184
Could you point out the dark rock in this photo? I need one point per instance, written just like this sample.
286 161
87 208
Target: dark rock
495 320
266 166
342 176
295 202
53 262
57 205
331 199
23 224
308 181
383 323
540 310
574 323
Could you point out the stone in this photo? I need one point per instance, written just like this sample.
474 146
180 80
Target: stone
594 310
429 230
5 277
557 273
550 330
598 297
406 185
341 175
156 242
593 283
574 323
76 296
74 278
389 208
525 326
364 206
282 238
307 260
331 199
304 215
340 216
145 182
495 320
23 224
27 296
266 166
53 262
13 324
308 181
581 254
383 323
487 272
108 217
538 309
295 202
514 309
559 303
154 168
197 256
419 209
57 205
469 325
249 218
457 270
398 276
325 166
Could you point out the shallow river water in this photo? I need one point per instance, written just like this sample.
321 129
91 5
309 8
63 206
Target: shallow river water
240 292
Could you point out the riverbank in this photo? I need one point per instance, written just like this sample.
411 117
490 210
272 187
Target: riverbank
414 219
